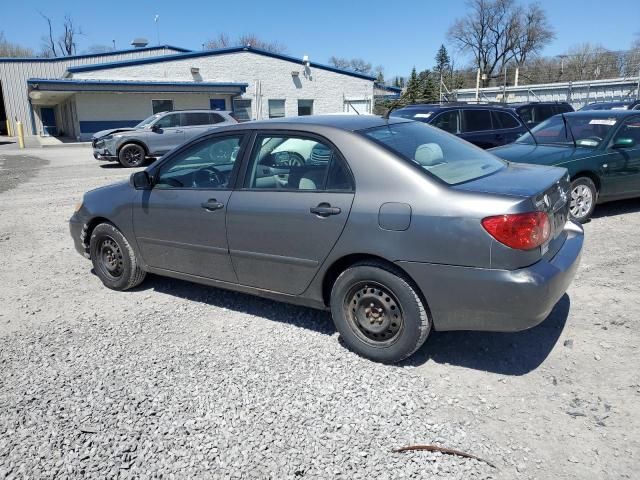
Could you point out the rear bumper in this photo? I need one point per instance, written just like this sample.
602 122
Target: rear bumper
466 298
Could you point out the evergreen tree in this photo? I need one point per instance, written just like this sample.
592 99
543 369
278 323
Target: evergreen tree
442 61
412 93
428 87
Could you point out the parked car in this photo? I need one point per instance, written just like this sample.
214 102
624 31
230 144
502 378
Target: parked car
486 126
600 148
621 105
155 135
394 226
533 113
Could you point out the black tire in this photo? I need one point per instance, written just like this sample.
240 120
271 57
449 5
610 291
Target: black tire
114 261
131 155
583 197
388 321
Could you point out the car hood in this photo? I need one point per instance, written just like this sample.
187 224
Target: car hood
541 154
104 133
519 180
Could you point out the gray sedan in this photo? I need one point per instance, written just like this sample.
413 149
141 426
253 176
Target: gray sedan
395 226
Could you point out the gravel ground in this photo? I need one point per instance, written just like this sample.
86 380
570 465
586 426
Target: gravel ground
184 381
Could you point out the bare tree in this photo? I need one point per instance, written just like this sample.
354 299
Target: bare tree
10 49
248 39
496 32
357 65
66 44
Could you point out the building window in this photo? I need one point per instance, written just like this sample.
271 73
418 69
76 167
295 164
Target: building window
161 106
305 107
217 104
276 108
242 109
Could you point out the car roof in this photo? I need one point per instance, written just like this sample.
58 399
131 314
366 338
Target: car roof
602 113
453 105
194 110
342 122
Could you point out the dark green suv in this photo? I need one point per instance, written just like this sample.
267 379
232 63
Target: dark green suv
600 148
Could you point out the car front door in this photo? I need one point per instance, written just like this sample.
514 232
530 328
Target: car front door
477 128
622 172
166 134
180 223
294 203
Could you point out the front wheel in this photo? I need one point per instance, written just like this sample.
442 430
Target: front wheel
114 261
131 155
584 195
378 312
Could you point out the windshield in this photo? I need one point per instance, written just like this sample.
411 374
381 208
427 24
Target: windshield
587 131
446 156
147 121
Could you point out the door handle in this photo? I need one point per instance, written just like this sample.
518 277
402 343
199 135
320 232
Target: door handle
211 205
324 210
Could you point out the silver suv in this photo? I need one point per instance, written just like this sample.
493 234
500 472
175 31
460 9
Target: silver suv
156 135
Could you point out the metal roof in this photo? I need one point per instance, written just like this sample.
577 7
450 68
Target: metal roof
90 55
211 53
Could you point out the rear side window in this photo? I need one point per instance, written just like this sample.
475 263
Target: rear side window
448 121
563 109
504 120
542 112
195 118
526 114
476 120
286 162
215 118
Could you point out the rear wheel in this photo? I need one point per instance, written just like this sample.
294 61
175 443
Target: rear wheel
114 261
584 195
131 155
378 312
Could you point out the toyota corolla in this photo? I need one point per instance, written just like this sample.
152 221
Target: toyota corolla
394 226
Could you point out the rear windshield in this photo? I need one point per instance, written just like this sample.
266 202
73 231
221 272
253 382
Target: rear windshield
446 156
420 115
585 131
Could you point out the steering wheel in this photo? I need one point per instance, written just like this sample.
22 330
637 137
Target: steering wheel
287 159
207 177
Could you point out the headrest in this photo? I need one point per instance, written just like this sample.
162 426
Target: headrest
429 154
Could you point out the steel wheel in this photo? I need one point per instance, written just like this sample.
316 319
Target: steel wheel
110 260
581 201
373 313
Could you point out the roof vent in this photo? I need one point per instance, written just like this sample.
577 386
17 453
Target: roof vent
139 42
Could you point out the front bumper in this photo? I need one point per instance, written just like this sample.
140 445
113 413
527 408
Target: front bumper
103 151
78 230
467 298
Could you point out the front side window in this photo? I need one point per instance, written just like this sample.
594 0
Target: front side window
276 108
169 121
305 107
286 162
476 120
446 157
629 130
158 106
584 131
448 121
206 165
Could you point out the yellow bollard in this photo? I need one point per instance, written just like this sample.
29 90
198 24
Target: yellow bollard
20 133
9 132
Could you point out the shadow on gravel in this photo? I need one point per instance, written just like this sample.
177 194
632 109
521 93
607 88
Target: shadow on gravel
504 353
619 207
303 317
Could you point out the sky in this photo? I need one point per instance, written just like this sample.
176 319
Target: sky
396 35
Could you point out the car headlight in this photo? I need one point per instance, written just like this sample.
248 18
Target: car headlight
77 207
107 137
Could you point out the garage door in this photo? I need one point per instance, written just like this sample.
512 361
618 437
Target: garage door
359 107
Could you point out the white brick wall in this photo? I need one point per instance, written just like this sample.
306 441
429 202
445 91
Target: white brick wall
326 88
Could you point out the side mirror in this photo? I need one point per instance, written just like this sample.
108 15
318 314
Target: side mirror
623 142
140 181
155 128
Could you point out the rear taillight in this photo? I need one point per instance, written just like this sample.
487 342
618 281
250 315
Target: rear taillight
523 231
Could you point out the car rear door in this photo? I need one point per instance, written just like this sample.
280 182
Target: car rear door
166 134
506 126
179 224
477 128
195 123
293 205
